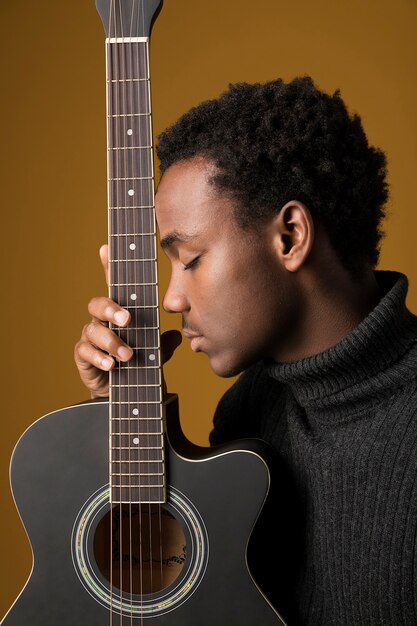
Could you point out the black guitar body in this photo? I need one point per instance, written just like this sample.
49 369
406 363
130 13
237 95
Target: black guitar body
59 475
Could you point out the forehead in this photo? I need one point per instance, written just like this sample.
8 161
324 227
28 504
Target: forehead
187 203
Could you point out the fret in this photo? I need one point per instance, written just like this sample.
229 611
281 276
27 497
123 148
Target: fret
129 115
141 317
126 440
132 247
122 221
140 463
124 411
144 386
130 375
138 419
127 59
132 178
130 208
145 468
122 148
159 474
132 261
143 337
127 193
131 306
143 495
146 326
134 398
124 98
133 275
133 235
136 307
136 426
147 292
139 306
120 480
135 454
141 358
126 80
141 450
118 328
128 163
129 386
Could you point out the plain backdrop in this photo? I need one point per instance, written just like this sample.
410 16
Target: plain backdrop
53 171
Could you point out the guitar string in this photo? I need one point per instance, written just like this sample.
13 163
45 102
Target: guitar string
137 343
116 95
130 74
122 173
127 368
143 72
144 403
110 134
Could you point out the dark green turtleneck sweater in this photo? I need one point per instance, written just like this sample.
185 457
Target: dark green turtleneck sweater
344 425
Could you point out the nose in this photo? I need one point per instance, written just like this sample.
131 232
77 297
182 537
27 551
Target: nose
175 299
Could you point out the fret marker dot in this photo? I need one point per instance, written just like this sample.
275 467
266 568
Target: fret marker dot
133 296
132 246
152 357
131 192
135 412
136 440
129 131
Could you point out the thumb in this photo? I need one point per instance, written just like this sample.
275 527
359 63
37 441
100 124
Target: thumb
104 258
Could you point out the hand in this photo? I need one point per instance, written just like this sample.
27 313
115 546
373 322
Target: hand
99 346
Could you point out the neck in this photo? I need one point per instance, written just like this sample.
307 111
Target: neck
330 305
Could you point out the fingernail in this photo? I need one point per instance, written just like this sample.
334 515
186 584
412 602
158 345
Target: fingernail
121 317
124 353
107 363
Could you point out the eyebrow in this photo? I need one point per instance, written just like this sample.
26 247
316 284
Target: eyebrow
174 237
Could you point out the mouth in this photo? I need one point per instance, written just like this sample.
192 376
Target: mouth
195 339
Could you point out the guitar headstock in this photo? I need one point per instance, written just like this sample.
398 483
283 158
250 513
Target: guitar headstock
128 18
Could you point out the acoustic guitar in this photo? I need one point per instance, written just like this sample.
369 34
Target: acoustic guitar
129 523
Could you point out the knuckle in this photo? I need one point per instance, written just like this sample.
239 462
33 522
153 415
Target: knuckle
89 329
94 305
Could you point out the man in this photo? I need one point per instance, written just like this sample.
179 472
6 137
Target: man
269 209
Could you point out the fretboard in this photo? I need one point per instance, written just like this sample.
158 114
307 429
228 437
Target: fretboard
137 472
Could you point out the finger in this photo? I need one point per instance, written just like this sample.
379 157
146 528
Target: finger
88 358
170 340
106 340
107 310
104 258
93 368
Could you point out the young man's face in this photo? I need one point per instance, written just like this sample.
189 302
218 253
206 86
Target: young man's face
233 294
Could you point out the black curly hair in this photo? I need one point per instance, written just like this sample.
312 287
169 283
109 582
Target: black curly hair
275 142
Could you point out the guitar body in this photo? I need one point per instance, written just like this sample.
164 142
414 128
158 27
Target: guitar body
59 475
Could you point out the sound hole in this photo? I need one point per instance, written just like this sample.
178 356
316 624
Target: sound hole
148 547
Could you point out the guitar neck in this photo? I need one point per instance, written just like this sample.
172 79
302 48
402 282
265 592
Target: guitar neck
136 443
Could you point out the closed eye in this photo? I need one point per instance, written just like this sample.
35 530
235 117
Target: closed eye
192 263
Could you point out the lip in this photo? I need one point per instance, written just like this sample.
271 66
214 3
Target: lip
194 338
195 343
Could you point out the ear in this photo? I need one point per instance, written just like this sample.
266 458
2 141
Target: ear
293 234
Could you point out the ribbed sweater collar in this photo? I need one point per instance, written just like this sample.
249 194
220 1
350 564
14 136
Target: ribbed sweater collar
379 354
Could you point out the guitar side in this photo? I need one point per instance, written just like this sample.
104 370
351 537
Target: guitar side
59 473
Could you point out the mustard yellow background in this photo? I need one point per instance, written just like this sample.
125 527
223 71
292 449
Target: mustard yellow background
53 169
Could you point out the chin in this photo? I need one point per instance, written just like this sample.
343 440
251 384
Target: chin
226 368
